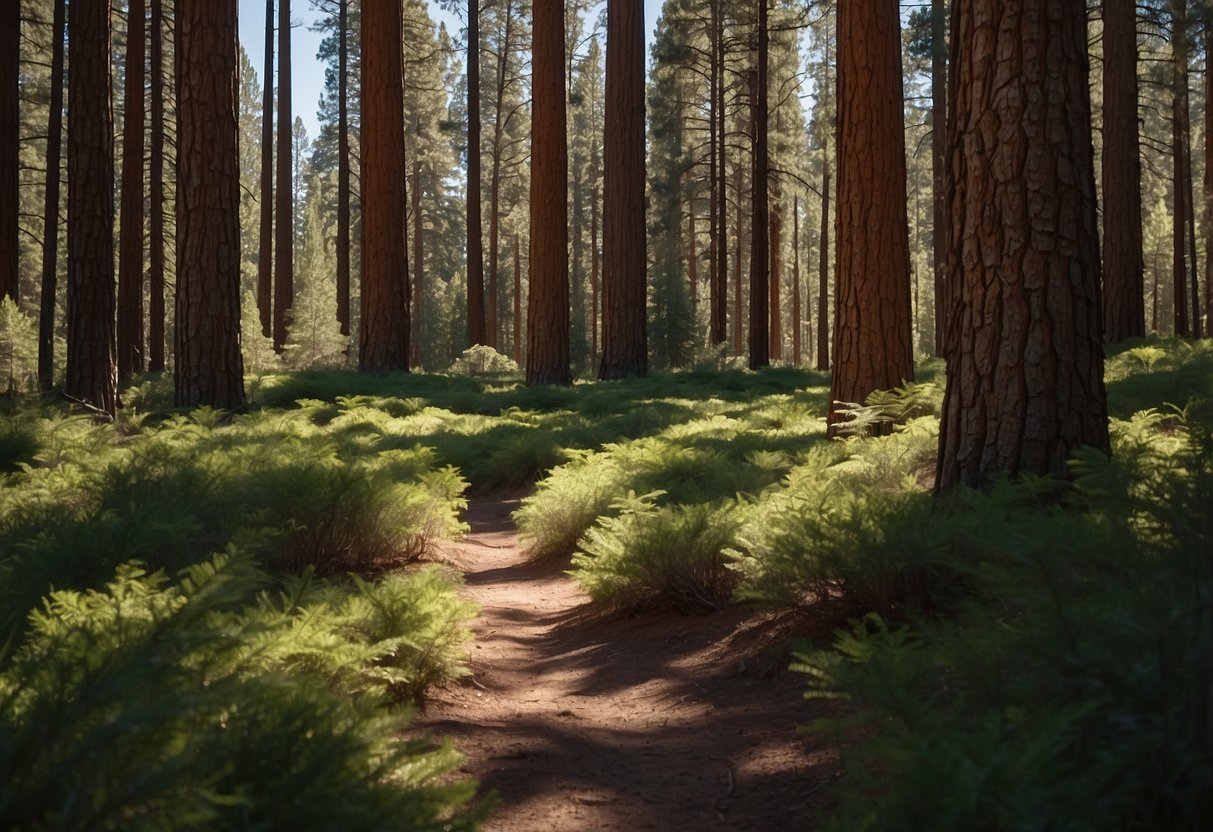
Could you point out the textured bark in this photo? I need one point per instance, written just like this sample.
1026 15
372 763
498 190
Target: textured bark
796 281
10 143
1208 185
692 258
738 275
50 228
517 302
155 243
284 193
1179 106
718 313
385 263
208 369
1123 267
939 162
265 250
873 346
415 311
343 168
495 184
595 286
624 337
475 232
130 241
91 369
823 275
1025 363
760 348
548 303
776 342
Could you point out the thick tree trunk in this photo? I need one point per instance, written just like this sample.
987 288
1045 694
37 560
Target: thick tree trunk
738 276
548 305
692 258
284 194
91 368
1025 361
873 341
823 274
475 231
796 281
156 256
343 169
939 162
265 250
130 242
1123 267
776 343
595 287
50 228
760 264
208 369
10 144
624 336
385 262
1190 205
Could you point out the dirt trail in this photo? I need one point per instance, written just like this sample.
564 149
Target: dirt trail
581 722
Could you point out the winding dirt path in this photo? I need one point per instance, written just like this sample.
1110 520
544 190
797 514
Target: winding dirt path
585 722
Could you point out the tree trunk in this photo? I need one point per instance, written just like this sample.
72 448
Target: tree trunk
739 278
284 203
776 343
873 341
1025 362
343 168
156 256
10 144
1208 184
692 258
1190 205
939 161
418 266
50 232
517 302
624 337
475 230
385 263
130 242
823 273
718 314
796 281
208 369
265 251
548 305
1123 267
760 264
595 288
91 368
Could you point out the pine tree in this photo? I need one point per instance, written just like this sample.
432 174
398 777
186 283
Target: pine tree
284 203
50 226
156 255
265 256
10 143
130 244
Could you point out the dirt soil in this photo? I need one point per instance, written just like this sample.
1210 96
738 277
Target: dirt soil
585 721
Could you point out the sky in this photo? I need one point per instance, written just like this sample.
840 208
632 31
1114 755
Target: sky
307 79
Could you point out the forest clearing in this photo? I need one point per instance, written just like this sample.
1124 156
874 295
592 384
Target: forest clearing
705 414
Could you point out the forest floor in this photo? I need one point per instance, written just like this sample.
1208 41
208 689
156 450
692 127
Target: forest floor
581 720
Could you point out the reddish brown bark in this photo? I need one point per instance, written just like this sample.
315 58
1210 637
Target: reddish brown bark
738 276
156 256
1123 267
10 143
130 241
517 302
939 162
265 250
776 343
208 369
415 311
624 336
284 194
495 183
343 168
873 346
718 314
50 232
385 264
1025 362
91 369
548 304
595 288
760 348
477 333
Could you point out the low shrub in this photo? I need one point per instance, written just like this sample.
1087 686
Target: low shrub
646 555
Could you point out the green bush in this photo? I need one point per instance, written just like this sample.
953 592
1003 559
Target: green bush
157 704
480 360
1073 690
647 555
